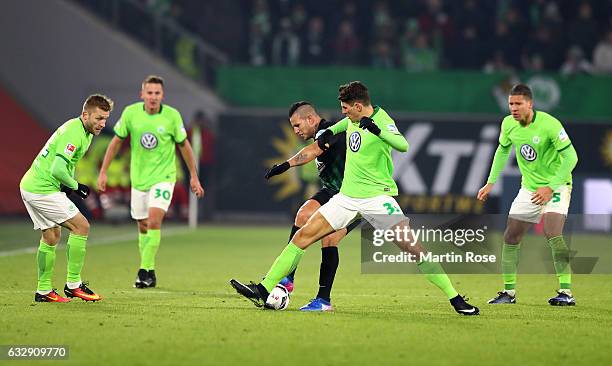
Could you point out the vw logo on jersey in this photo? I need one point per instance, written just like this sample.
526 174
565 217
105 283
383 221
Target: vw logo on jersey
148 141
355 141
528 152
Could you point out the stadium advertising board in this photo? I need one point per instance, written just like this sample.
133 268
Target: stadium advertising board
445 166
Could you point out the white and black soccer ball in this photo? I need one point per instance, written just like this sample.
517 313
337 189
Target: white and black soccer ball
278 298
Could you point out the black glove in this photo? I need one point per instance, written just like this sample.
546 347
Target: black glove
277 169
368 124
81 191
324 139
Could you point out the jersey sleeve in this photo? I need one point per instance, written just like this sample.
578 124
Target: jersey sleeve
67 144
179 133
558 136
339 126
504 140
387 125
121 127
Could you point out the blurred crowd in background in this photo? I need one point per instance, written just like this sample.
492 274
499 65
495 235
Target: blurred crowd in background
418 35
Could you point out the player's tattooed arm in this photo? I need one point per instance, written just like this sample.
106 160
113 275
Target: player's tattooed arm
306 155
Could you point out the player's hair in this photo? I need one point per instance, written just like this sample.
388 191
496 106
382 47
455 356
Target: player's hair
153 79
353 92
522 89
297 105
98 101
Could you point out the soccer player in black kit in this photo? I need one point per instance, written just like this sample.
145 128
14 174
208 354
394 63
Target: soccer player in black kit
306 123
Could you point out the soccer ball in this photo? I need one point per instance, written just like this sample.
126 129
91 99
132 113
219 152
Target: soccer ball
278 298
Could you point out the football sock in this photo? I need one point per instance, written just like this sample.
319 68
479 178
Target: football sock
142 243
510 259
294 229
435 274
560 254
327 272
286 262
150 250
75 252
45 258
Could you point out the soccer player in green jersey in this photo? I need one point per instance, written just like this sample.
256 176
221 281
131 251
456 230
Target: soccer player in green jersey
155 129
546 158
306 123
367 190
44 189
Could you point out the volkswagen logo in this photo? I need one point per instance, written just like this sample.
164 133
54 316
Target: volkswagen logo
528 152
148 141
355 141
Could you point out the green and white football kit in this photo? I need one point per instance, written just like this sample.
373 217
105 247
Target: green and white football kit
153 139
48 207
40 189
538 148
545 157
368 185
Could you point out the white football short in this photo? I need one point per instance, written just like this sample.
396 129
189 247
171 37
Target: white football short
524 210
48 210
160 196
382 212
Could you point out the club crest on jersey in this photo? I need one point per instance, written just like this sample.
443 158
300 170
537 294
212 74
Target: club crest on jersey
70 149
148 141
536 139
528 152
355 141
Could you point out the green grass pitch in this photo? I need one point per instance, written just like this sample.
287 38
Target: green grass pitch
195 317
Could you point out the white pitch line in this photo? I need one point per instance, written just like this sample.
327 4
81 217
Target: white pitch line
95 242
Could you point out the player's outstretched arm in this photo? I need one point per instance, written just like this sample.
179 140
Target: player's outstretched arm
111 151
194 181
499 161
306 155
